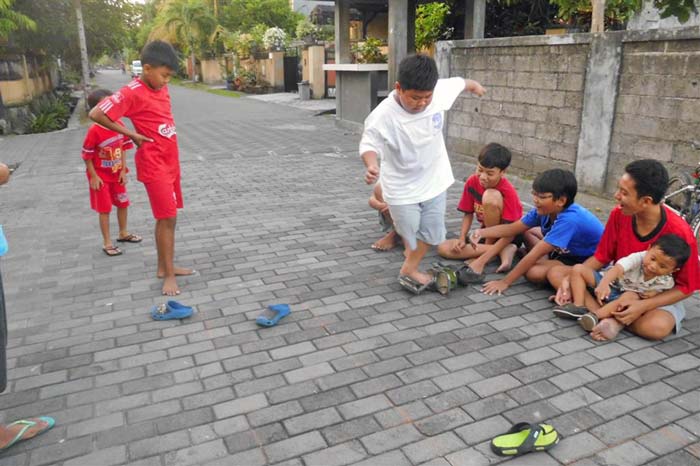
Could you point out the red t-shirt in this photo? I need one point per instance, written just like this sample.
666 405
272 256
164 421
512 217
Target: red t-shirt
620 239
149 111
107 150
471 200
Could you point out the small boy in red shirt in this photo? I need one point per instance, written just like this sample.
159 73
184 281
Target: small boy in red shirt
104 153
490 196
146 102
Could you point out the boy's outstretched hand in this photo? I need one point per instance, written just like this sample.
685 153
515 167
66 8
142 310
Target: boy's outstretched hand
495 287
372 174
96 183
474 87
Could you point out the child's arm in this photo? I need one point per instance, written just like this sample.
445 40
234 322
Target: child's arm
374 201
95 181
474 87
370 160
499 286
464 231
602 291
499 231
99 117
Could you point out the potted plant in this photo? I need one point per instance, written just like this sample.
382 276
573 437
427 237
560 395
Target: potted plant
369 51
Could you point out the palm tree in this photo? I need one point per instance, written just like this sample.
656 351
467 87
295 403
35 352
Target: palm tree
11 20
191 22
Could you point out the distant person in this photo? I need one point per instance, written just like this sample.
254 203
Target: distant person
490 197
146 102
636 223
104 153
570 232
405 132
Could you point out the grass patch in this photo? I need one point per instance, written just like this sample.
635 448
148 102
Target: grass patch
224 92
204 87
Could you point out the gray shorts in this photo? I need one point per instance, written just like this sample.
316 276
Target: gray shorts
424 221
677 310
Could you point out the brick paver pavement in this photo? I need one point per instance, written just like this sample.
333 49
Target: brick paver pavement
360 373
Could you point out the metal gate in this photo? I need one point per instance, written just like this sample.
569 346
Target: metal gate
291 73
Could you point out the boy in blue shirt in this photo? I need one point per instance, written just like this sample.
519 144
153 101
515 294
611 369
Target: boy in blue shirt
570 232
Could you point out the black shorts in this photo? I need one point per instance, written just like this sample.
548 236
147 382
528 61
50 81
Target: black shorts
566 259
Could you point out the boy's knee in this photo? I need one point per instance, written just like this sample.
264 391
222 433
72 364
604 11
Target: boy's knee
492 198
578 269
443 249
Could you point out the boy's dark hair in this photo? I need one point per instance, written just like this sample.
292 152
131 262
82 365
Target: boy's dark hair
674 247
159 53
650 178
558 182
95 96
494 155
418 72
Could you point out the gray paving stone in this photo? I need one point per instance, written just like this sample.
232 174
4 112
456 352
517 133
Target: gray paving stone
255 438
576 447
390 439
342 454
490 406
630 453
197 454
294 446
364 406
488 387
666 439
616 406
402 414
619 430
433 447
444 421
349 430
392 458
408 393
679 458
652 393
159 444
660 414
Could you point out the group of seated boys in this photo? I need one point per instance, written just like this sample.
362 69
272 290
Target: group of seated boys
632 273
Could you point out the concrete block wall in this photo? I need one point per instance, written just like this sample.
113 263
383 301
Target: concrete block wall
533 104
658 106
583 102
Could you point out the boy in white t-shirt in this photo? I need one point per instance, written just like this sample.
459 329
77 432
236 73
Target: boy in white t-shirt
405 131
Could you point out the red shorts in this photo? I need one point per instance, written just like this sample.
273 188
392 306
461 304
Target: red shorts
110 194
165 198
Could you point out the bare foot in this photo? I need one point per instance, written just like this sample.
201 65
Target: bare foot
170 287
507 258
179 272
386 243
420 277
607 329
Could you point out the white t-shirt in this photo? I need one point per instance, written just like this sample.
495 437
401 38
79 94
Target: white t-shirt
414 162
633 279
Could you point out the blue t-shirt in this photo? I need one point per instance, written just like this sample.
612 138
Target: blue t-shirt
575 231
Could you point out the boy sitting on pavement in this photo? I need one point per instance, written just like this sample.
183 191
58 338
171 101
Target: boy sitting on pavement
641 275
146 102
489 195
638 220
388 241
104 153
405 130
571 232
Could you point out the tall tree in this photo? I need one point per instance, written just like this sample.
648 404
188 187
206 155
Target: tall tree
191 23
244 15
11 20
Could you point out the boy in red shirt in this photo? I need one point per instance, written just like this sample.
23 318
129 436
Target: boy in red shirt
636 223
146 102
104 153
489 195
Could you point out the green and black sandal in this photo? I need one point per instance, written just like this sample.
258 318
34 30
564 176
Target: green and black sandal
525 438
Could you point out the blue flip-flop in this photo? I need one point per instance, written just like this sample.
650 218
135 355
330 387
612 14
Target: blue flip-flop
3 243
26 425
272 315
171 310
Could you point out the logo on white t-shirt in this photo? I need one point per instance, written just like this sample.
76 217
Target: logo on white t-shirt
437 121
166 130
